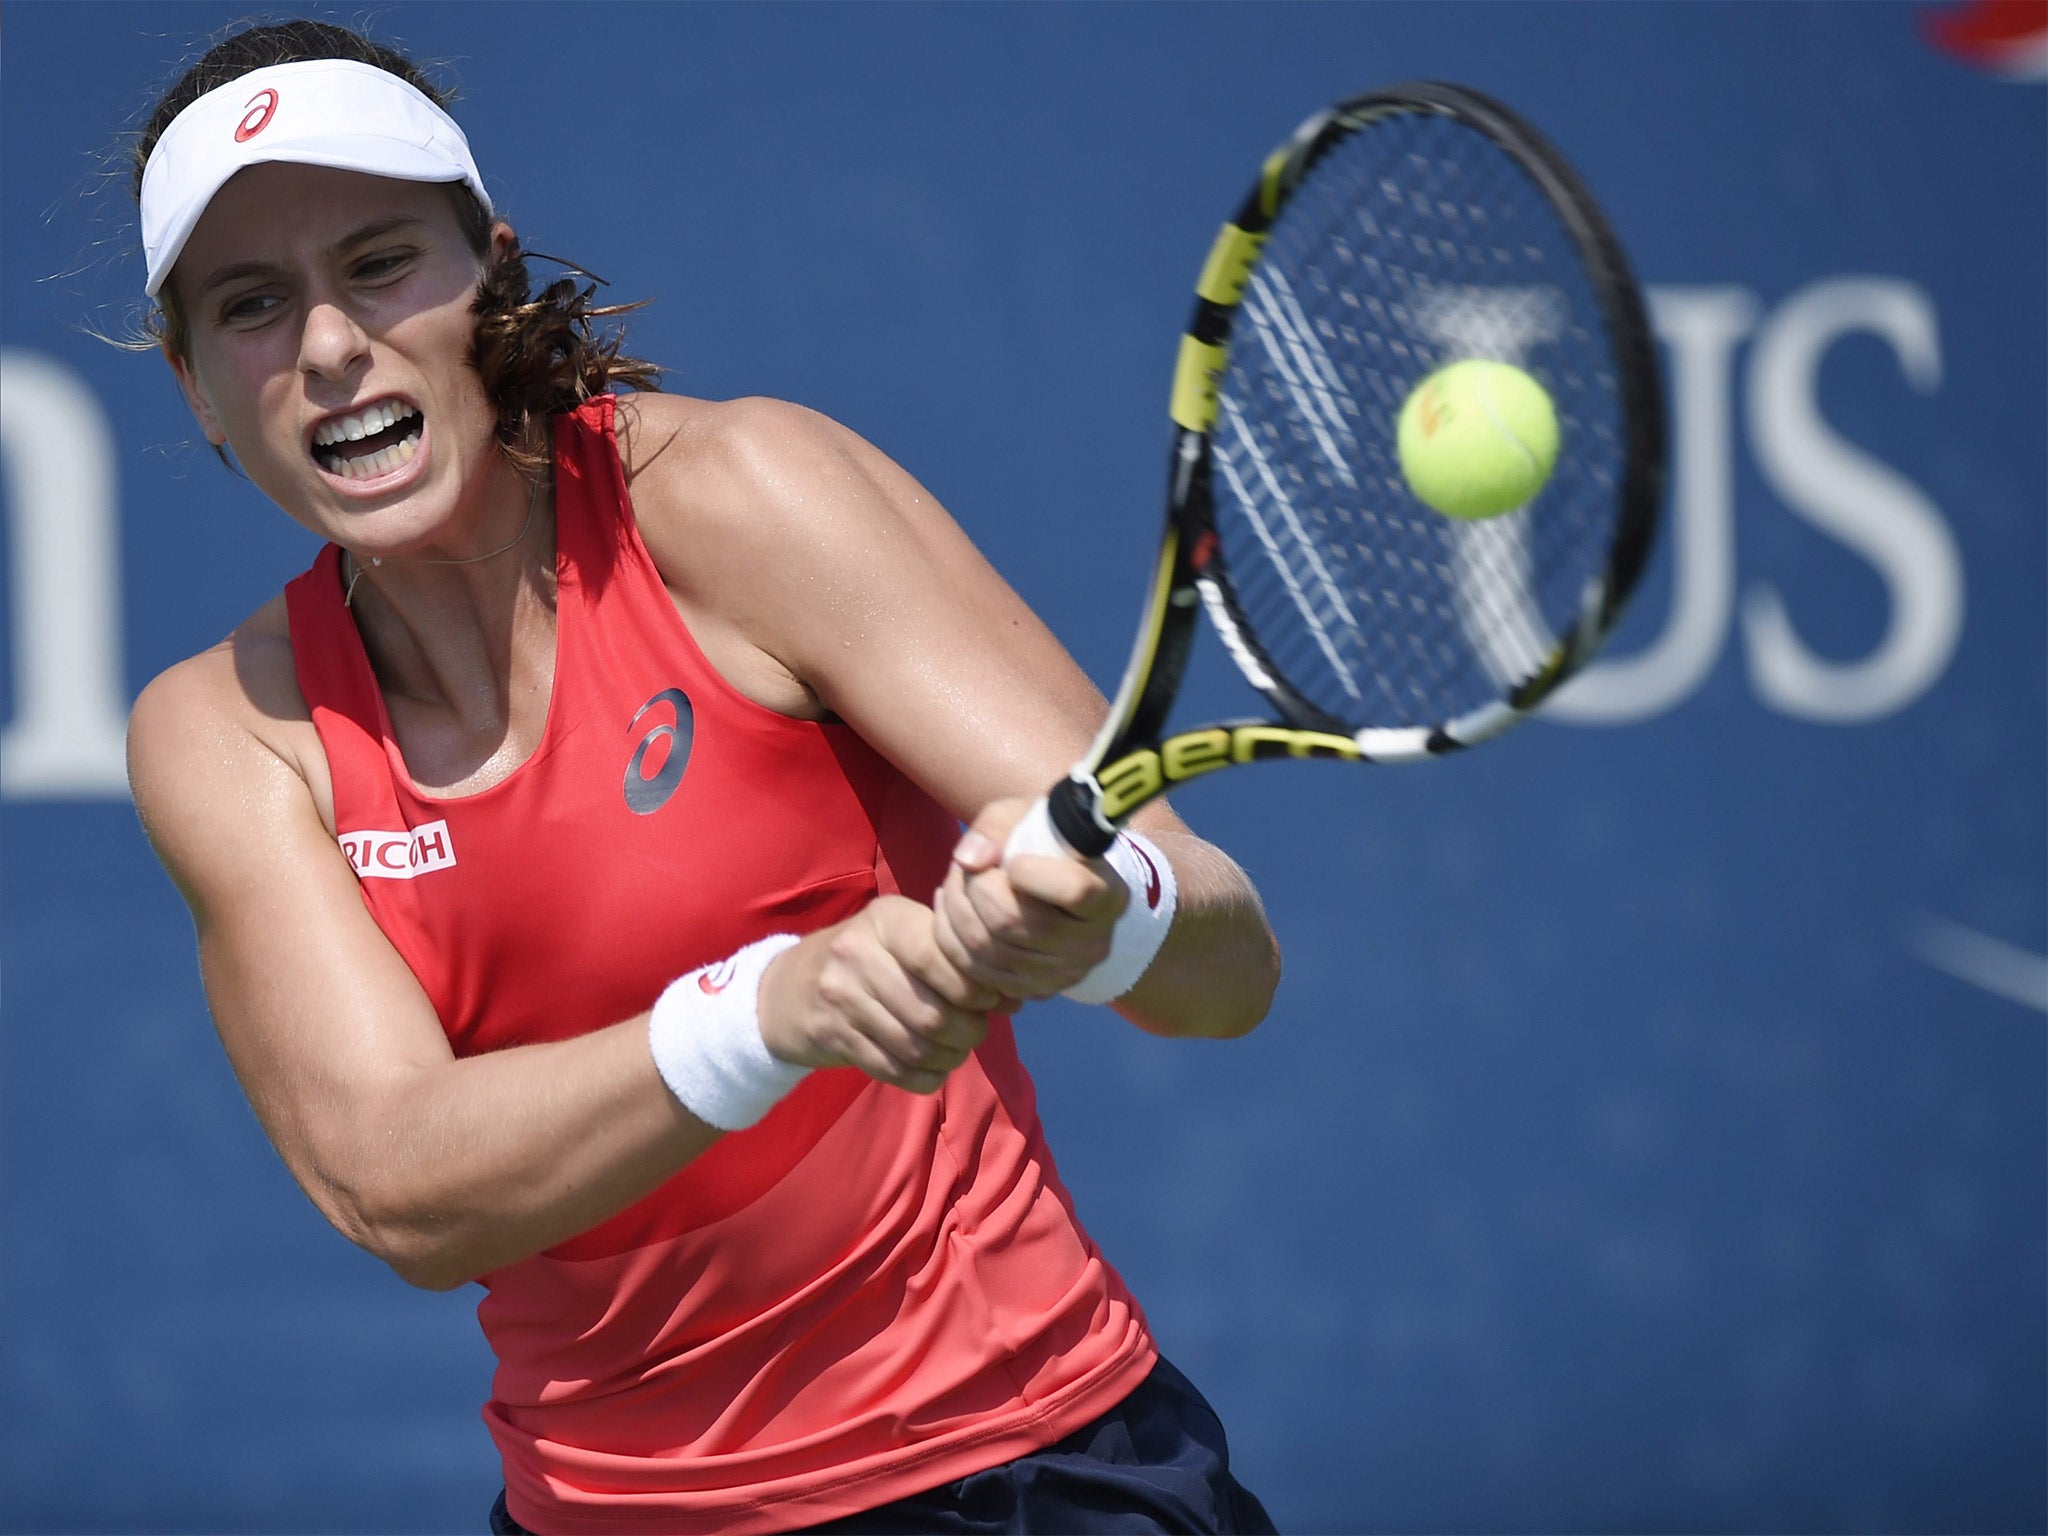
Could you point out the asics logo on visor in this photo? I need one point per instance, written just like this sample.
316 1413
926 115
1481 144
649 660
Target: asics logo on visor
345 116
262 108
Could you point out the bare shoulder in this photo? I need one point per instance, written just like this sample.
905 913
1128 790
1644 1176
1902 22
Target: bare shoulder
779 533
651 426
244 685
222 735
751 469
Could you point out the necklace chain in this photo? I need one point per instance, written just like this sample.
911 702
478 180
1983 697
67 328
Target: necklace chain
532 506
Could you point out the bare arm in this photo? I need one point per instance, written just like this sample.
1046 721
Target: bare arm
868 601
447 1168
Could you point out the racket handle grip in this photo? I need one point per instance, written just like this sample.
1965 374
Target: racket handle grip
1059 826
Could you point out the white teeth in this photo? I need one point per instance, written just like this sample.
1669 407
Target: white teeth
372 418
382 462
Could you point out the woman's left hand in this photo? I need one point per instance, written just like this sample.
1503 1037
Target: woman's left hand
1028 927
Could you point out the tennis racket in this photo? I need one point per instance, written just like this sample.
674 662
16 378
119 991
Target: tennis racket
1395 233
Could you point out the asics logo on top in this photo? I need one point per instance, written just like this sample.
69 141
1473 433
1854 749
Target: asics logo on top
262 108
399 855
668 746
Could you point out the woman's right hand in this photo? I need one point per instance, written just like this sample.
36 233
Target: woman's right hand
874 992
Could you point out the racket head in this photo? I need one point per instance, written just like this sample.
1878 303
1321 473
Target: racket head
1397 233
1393 234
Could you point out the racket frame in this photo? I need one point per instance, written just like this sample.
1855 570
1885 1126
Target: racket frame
1131 760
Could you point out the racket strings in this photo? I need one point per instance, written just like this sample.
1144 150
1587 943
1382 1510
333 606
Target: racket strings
1412 244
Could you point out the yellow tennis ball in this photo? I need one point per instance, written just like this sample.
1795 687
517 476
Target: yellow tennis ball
1477 439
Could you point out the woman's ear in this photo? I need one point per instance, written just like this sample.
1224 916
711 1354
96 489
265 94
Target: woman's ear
503 240
195 396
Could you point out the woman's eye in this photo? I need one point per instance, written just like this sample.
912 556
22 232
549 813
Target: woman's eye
250 306
385 265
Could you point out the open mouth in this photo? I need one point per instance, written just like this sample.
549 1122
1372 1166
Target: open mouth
373 441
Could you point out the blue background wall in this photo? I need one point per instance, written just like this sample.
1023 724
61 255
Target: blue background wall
1650 1132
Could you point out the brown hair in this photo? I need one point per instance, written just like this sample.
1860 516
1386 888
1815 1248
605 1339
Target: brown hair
536 356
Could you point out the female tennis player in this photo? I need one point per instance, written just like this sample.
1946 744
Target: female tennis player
575 852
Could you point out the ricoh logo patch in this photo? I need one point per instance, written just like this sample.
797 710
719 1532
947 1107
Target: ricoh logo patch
400 855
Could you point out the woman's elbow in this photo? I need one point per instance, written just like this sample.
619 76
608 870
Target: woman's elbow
427 1276
1243 1008
421 1260
414 1245
1225 1002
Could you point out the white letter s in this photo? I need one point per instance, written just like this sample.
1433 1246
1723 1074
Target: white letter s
1866 504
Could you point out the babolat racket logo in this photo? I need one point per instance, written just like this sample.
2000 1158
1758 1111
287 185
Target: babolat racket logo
1137 776
399 855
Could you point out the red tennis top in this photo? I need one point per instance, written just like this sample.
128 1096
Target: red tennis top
868 1293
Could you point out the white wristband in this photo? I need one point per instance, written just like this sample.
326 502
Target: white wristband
705 1032
1148 874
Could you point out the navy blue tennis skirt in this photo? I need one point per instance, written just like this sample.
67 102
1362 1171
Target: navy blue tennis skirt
1156 1462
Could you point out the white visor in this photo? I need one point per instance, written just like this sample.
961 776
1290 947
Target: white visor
332 112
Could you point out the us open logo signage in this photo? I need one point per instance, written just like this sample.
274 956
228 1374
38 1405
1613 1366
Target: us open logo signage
399 855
